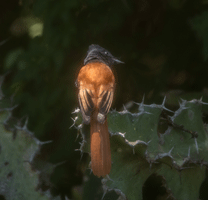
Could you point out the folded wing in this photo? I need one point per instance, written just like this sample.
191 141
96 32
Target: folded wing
105 100
88 102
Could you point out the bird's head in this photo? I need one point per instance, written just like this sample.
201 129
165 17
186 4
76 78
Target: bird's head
97 53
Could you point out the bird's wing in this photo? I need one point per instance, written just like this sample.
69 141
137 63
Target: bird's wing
86 103
105 100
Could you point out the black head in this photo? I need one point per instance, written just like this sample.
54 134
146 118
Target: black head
97 53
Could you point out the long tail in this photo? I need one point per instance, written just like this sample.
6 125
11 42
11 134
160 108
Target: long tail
100 147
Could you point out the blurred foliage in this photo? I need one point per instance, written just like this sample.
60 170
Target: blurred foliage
43 43
22 174
200 25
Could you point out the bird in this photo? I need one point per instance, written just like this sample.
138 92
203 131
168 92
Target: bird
96 86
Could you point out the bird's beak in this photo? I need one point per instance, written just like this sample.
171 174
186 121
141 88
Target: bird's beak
117 61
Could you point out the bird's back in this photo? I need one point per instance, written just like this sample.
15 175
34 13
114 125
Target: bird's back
96 73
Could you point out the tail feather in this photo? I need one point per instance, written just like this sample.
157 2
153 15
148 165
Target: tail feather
100 147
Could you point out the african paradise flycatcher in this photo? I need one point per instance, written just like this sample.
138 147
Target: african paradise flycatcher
96 84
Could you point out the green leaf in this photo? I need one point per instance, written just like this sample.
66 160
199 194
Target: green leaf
20 172
139 151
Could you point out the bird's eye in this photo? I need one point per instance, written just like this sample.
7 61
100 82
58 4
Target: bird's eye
106 53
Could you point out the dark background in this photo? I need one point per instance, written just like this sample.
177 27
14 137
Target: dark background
164 44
